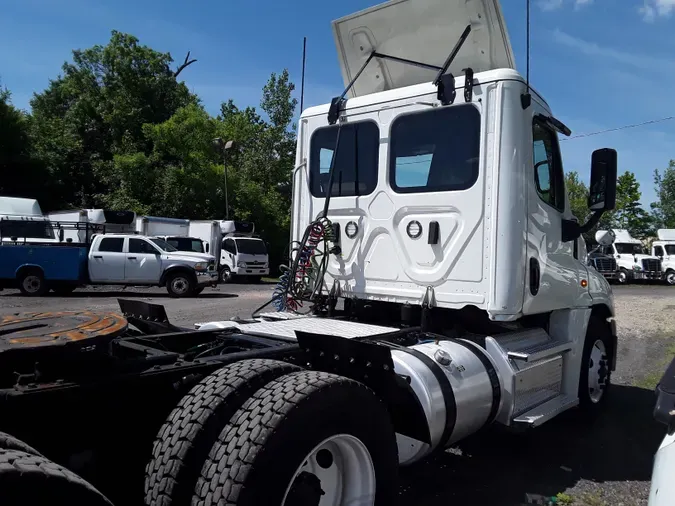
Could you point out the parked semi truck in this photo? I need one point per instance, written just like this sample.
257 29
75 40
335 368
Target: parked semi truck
664 250
434 288
22 217
110 259
633 261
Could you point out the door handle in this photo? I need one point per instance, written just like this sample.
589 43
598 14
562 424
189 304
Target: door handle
131 258
98 256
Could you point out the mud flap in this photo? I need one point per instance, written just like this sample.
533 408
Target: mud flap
371 364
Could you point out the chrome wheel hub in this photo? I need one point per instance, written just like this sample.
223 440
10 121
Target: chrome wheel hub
597 371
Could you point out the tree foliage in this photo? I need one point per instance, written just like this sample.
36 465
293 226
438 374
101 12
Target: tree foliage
664 207
116 129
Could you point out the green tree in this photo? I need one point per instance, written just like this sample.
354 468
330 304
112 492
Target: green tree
97 109
664 207
577 193
629 213
22 174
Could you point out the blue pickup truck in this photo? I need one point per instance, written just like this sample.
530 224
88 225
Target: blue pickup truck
110 259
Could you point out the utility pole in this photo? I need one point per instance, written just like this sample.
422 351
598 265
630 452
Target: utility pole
223 146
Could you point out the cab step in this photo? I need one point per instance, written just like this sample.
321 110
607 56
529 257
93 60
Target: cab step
544 412
540 350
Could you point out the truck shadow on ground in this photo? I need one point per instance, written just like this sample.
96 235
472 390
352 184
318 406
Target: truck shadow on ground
496 469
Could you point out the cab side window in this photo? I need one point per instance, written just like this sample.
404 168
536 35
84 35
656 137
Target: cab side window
658 251
229 246
548 172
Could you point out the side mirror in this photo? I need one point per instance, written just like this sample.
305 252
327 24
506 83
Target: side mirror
602 192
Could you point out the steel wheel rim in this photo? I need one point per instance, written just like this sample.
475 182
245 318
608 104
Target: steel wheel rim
622 277
670 278
179 285
597 371
31 283
343 468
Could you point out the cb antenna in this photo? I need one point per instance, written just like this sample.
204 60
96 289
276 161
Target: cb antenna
302 85
526 98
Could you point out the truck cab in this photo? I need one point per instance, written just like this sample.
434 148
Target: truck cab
664 250
118 259
242 254
632 258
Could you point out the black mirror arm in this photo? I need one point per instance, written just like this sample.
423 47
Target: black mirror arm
571 230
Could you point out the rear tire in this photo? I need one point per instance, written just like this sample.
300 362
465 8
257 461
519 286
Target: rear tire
9 442
184 441
32 283
27 479
258 458
595 375
180 284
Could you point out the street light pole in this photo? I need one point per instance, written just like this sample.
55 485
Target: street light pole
224 146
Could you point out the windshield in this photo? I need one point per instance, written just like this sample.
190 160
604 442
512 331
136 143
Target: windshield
251 247
670 249
186 244
629 249
163 245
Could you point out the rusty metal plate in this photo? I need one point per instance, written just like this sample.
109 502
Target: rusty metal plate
39 330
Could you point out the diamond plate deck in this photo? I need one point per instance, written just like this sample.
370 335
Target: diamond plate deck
340 328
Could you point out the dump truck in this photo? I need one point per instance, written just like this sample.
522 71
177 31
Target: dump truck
434 288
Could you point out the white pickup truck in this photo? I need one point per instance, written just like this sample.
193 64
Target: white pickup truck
110 259
141 260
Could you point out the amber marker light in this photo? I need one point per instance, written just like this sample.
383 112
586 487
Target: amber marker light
584 283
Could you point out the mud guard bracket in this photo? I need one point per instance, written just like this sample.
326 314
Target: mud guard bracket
371 364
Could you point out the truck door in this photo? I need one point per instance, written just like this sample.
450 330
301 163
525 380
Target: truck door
106 263
229 252
143 262
553 273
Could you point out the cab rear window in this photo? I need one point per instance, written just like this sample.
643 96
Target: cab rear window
435 150
355 170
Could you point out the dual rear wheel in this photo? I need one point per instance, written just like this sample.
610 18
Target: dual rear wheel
266 432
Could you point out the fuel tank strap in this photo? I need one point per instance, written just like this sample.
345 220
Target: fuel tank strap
491 372
446 389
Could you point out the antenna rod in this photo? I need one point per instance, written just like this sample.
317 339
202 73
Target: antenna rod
527 75
302 86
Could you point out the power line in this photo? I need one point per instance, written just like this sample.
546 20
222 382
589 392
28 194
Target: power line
624 127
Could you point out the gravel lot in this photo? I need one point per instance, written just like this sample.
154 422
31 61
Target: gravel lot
607 463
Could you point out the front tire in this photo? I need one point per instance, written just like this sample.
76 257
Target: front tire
595 373
180 284
670 277
304 436
225 275
623 277
194 425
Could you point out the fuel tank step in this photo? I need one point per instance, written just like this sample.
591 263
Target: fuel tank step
544 412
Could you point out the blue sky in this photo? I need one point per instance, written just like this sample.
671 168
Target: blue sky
599 63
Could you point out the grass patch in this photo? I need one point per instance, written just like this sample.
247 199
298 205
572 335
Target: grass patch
270 280
652 379
583 500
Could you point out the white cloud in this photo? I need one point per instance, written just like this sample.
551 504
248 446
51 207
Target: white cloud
552 5
651 9
636 60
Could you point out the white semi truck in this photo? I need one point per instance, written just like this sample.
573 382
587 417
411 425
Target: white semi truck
436 283
664 250
633 261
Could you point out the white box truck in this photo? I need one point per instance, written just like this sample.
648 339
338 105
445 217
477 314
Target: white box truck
632 259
